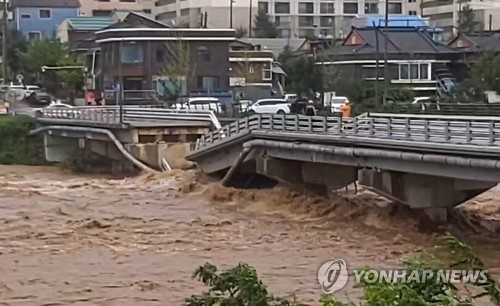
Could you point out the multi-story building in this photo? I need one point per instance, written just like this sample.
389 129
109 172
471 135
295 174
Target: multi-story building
446 13
294 18
105 8
413 7
37 19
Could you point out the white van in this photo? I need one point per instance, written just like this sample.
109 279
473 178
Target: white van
202 103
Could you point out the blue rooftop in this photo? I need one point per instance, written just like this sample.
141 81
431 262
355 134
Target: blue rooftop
396 21
85 23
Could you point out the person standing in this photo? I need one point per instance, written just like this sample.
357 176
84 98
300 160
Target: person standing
310 109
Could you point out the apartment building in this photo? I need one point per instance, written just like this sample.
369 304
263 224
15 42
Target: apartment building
105 8
294 18
445 13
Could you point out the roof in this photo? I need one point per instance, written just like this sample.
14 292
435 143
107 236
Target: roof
400 40
479 42
46 3
276 45
89 23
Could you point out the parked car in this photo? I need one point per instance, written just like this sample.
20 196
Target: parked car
203 103
270 106
35 96
337 104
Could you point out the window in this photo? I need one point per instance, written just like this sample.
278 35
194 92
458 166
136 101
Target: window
203 54
326 21
147 11
395 8
25 16
414 72
307 33
267 72
131 54
327 8
127 0
306 8
350 8
160 55
32 36
208 83
101 13
282 8
263 7
412 1
413 13
282 21
45 14
371 8
306 21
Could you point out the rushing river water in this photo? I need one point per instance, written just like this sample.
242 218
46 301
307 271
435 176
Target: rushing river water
72 240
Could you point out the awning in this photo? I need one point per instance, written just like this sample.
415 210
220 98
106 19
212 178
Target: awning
278 70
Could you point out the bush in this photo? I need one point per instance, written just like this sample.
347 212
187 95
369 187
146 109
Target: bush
240 286
16 147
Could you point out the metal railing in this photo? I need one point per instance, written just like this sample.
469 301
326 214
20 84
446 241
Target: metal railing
110 115
406 129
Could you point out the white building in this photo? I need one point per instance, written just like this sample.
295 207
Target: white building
294 18
104 8
445 13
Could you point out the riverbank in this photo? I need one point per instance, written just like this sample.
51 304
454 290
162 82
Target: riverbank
16 147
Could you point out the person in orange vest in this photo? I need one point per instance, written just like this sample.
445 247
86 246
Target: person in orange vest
90 98
346 109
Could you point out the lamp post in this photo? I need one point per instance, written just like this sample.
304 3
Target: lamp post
250 16
4 41
386 40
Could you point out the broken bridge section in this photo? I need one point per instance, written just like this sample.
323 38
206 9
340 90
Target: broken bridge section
425 163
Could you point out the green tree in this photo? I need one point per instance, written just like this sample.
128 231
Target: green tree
467 22
264 27
304 77
17 44
486 72
50 52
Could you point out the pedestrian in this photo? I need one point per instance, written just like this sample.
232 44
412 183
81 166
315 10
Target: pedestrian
310 109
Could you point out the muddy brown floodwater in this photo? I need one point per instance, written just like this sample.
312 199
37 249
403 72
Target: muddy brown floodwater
72 240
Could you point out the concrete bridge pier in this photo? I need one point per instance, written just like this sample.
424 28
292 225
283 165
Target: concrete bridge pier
58 149
319 177
435 195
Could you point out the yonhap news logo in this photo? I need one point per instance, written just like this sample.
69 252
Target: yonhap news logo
333 275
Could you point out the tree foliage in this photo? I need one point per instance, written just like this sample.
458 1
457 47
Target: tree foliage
240 286
264 27
467 22
178 68
17 45
486 72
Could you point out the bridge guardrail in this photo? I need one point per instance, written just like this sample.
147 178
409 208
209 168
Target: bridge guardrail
129 114
436 131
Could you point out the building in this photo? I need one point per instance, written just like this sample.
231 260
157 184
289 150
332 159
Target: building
105 8
293 18
37 19
137 51
215 14
415 59
445 13
78 32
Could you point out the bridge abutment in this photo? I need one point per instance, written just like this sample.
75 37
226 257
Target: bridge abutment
58 149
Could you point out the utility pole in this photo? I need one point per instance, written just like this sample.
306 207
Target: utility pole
250 17
4 41
386 41
230 14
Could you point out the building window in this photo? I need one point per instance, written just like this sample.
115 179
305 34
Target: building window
208 83
33 36
267 72
306 21
203 54
326 21
412 13
45 14
101 13
327 8
371 8
263 7
282 8
395 8
350 7
160 55
147 11
412 1
282 21
414 72
306 8
131 54
307 33
127 0
25 16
